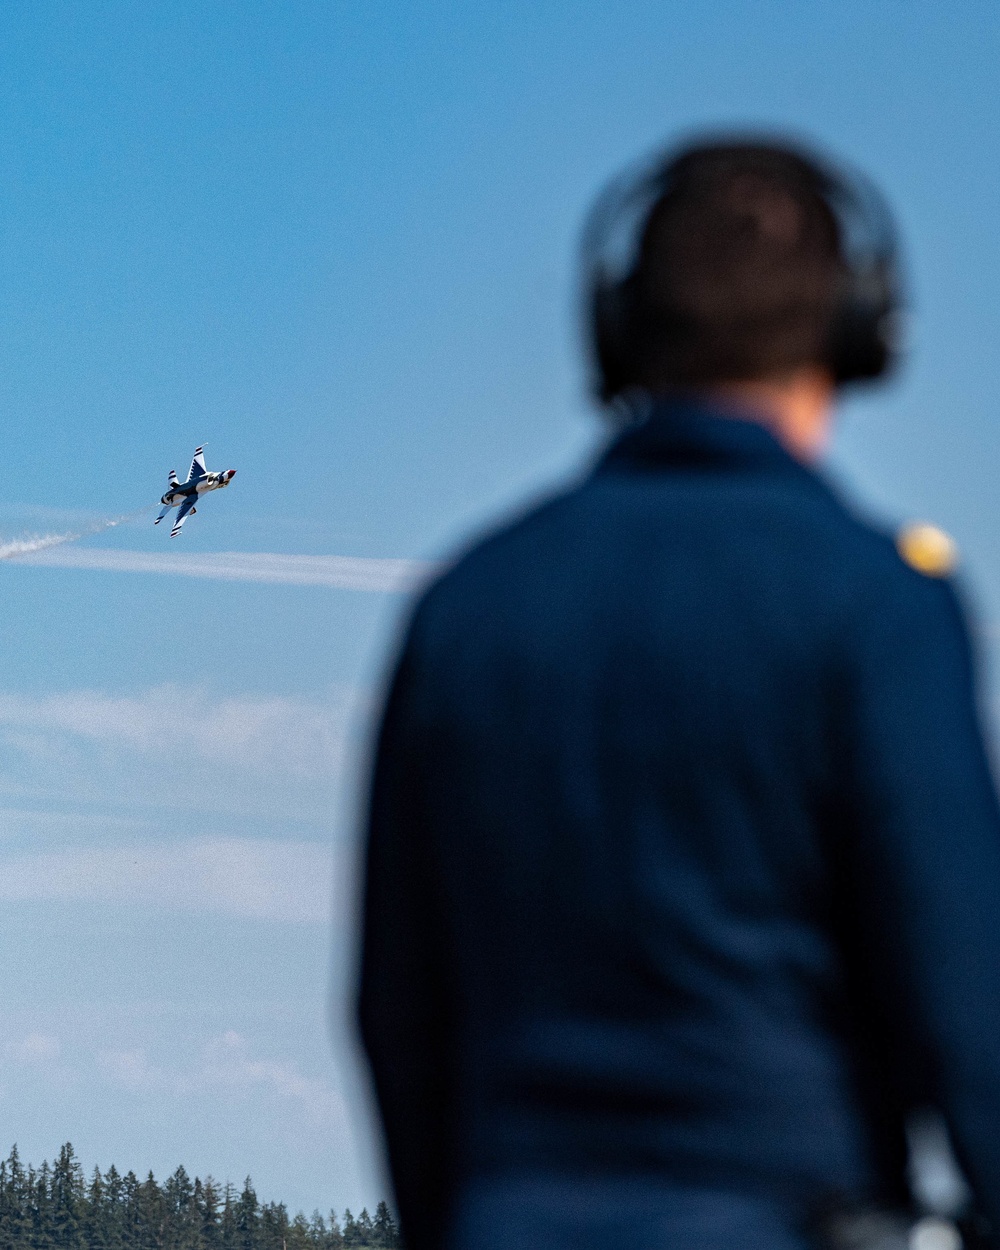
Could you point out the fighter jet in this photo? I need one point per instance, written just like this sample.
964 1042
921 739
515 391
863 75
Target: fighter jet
184 495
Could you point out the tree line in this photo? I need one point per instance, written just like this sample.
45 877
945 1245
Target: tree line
55 1207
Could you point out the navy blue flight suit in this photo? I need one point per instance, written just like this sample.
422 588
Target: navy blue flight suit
683 877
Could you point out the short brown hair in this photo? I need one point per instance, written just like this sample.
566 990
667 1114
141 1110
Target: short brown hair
737 271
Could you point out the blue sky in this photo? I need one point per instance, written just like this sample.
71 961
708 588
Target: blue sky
336 241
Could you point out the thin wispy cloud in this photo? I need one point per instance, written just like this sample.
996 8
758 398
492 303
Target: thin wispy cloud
36 1049
226 1064
335 572
22 822
245 878
299 738
229 1087
234 761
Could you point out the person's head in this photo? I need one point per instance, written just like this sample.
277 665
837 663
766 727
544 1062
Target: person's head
741 271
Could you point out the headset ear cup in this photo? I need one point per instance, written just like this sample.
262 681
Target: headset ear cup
864 335
609 327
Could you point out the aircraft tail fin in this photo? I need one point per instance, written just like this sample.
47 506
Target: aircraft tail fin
172 478
197 470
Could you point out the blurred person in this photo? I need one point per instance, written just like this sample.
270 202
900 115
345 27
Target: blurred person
683 875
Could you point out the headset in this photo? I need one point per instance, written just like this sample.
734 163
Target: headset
865 332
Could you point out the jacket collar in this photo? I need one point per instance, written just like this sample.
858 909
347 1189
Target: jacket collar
689 432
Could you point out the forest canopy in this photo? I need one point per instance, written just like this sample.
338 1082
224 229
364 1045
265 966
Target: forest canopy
56 1207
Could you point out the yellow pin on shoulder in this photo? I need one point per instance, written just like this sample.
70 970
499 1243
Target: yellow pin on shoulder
927 549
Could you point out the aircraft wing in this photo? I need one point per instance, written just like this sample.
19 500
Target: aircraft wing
197 470
183 512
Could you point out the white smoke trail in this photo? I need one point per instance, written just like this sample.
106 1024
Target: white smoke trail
380 575
24 546
15 547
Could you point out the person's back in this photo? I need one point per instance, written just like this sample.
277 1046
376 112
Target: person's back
653 953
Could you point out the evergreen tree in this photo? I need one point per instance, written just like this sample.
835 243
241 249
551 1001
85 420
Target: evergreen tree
334 1236
14 1220
130 1212
6 1242
272 1227
365 1229
182 1226
94 1214
40 1208
247 1218
385 1232
299 1235
55 1208
208 1205
113 1222
66 1200
228 1223
151 1215
320 1236
352 1235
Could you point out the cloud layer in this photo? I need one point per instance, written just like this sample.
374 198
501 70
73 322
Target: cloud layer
225 1092
143 758
252 879
334 572
183 844
180 845
296 737
225 1064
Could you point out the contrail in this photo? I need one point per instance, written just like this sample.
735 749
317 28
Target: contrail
336 572
24 546
15 547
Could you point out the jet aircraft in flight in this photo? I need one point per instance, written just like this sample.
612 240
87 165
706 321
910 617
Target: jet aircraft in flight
184 495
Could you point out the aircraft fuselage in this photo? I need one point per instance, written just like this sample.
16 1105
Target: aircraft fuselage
183 490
